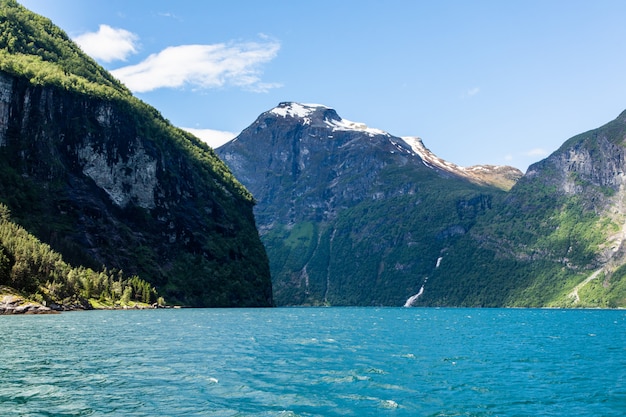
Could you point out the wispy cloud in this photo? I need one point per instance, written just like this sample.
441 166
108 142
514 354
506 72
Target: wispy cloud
170 15
214 138
202 66
536 152
196 66
108 44
472 92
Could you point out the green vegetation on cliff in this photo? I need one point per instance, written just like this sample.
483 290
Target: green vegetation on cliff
31 46
42 275
555 240
106 181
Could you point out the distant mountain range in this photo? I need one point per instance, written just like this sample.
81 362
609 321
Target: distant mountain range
352 215
101 197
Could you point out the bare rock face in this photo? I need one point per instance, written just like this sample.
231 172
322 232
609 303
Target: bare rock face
592 161
12 304
308 152
133 180
590 168
6 90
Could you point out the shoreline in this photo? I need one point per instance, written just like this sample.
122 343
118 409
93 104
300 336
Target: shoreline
16 304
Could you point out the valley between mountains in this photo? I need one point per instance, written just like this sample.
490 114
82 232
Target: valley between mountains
104 203
351 215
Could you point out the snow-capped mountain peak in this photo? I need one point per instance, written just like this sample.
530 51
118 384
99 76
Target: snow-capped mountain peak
297 110
326 115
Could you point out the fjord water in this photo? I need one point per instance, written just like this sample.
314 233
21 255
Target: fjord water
315 362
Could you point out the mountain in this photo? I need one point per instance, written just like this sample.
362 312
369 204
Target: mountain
355 216
352 215
105 180
557 239
501 176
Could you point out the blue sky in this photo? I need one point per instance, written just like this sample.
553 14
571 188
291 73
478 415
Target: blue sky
481 82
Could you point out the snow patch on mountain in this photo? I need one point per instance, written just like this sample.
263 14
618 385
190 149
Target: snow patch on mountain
297 110
500 176
429 158
306 112
347 125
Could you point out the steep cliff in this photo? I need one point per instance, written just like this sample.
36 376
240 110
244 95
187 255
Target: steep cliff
349 215
558 237
585 178
105 180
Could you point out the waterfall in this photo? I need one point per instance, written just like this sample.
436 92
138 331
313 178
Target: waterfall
412 298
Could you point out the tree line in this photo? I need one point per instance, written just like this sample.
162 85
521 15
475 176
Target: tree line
35 269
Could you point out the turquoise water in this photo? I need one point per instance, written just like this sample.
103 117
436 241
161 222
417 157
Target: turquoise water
315 362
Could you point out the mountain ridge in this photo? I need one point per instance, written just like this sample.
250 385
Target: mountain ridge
501 176
559 231
316 177
354 216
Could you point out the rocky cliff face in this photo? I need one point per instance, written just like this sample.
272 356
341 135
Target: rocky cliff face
558 237
348 214
595 158
590 168
109 183
311 161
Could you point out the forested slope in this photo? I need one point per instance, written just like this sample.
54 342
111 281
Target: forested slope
105 180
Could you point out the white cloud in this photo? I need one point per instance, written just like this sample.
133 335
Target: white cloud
214 138
108 44
202 66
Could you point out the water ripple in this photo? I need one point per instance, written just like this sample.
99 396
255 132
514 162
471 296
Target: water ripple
314 362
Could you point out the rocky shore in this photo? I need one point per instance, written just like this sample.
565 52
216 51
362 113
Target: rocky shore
13 304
